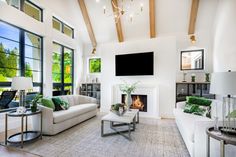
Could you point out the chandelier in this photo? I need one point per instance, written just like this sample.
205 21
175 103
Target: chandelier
125 8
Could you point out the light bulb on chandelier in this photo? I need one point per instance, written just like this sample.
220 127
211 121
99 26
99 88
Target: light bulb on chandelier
125 8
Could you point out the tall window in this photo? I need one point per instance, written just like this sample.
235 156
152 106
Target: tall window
20 55
62 27
62 70
27 7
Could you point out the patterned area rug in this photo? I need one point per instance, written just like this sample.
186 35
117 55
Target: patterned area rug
152 138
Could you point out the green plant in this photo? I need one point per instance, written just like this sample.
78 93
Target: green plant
128 88
35 101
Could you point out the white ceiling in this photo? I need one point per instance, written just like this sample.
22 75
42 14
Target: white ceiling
172 17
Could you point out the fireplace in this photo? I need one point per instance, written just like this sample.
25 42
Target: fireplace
138 102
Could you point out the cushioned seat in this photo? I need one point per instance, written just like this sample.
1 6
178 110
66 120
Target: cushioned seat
72 112
187 122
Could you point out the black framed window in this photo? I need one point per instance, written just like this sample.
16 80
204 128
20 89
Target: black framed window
20 55
28 8
62 27
62 70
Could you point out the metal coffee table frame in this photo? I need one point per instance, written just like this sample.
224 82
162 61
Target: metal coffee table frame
113 125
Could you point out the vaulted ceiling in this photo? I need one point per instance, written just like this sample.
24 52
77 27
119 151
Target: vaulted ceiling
171 17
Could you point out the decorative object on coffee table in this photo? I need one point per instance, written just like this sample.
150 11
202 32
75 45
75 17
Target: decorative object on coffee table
128 89
119 109
224 139
193 77
207 77
224 83
21 84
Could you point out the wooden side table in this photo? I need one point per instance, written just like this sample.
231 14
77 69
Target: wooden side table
23 136
222 137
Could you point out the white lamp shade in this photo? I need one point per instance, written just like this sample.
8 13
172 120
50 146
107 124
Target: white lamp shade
223 83
22 83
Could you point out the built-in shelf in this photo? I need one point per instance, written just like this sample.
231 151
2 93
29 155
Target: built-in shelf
184 89
91 90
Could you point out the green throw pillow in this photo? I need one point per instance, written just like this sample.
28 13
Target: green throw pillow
198 110
198 101
60 104
48 103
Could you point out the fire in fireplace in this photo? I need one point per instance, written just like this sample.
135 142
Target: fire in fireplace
138 102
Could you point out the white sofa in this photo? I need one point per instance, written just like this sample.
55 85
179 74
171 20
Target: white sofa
193 131
81 109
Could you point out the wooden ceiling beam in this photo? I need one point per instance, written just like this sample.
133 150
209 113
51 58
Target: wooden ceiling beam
193 16
152 17
87 22
118 23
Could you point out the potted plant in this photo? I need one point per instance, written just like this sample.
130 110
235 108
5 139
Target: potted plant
193 77
35 101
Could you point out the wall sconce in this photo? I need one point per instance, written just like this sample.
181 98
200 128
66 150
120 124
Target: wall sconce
193 39
94 51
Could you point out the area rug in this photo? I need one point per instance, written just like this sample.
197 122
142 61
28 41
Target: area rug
152 138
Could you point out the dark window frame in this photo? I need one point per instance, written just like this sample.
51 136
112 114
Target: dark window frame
62 85
21 8
22 56
62 27
189 51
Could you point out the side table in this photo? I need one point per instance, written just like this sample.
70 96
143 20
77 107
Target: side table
23 136
222 137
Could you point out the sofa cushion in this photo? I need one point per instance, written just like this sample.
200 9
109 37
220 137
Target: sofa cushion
187 122
72 112
198 101
47 102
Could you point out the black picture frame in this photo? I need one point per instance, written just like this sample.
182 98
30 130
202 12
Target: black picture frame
192 51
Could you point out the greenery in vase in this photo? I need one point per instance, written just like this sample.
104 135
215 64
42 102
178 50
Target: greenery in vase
35 101
128 88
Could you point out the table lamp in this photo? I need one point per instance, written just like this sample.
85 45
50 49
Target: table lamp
21 84
224 84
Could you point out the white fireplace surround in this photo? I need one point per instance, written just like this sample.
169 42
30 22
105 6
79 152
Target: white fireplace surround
152 99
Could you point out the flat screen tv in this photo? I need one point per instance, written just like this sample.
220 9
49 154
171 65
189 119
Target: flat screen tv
134 64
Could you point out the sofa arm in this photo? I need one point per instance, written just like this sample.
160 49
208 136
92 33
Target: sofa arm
47 120
86 99
180 105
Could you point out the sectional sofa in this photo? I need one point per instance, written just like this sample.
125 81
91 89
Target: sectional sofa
193 131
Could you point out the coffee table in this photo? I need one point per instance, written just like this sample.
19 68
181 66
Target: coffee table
130 119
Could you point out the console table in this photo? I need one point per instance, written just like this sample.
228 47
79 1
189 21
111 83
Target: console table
23 136
222 137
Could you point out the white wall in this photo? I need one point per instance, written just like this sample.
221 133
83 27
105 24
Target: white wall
164 70
224 37
14 16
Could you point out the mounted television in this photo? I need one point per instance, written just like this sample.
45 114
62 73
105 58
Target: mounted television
134 64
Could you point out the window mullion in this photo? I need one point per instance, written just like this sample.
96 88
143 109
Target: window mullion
22 52
62 70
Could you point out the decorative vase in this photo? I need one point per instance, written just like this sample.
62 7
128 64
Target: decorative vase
128 100
33 108
207 77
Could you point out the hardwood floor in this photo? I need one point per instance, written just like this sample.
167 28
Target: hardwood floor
6 151
12 152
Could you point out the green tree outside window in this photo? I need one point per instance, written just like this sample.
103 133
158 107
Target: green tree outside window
95 65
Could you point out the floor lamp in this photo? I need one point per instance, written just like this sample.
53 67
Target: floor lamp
21 84
224 84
